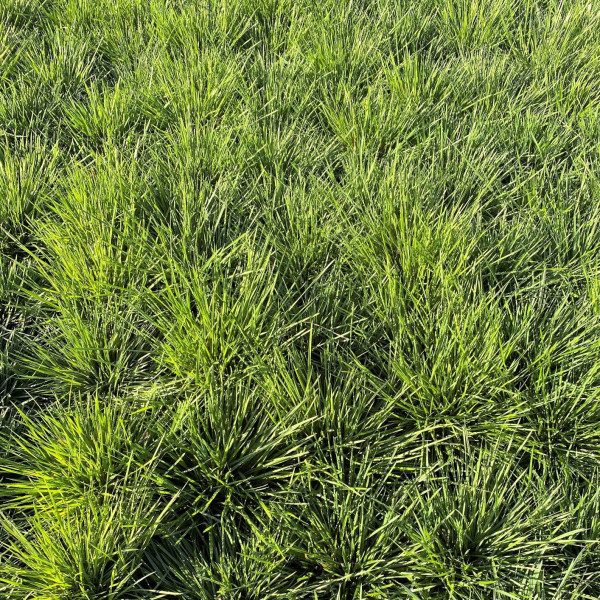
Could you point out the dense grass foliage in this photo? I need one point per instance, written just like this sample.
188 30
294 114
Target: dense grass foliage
299 299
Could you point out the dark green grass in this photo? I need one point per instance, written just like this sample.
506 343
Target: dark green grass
299 300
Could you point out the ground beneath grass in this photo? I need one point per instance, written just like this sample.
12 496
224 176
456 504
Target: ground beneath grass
299 299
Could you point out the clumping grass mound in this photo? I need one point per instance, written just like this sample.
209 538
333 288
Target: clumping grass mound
300 299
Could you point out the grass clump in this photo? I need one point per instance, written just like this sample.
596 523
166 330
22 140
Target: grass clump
299 299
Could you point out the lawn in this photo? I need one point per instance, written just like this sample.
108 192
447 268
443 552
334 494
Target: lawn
300 299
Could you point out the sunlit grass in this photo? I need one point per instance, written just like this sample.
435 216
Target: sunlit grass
299 300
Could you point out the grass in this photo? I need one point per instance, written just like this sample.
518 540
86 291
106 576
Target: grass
299 300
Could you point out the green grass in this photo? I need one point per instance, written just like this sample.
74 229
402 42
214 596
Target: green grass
299 299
